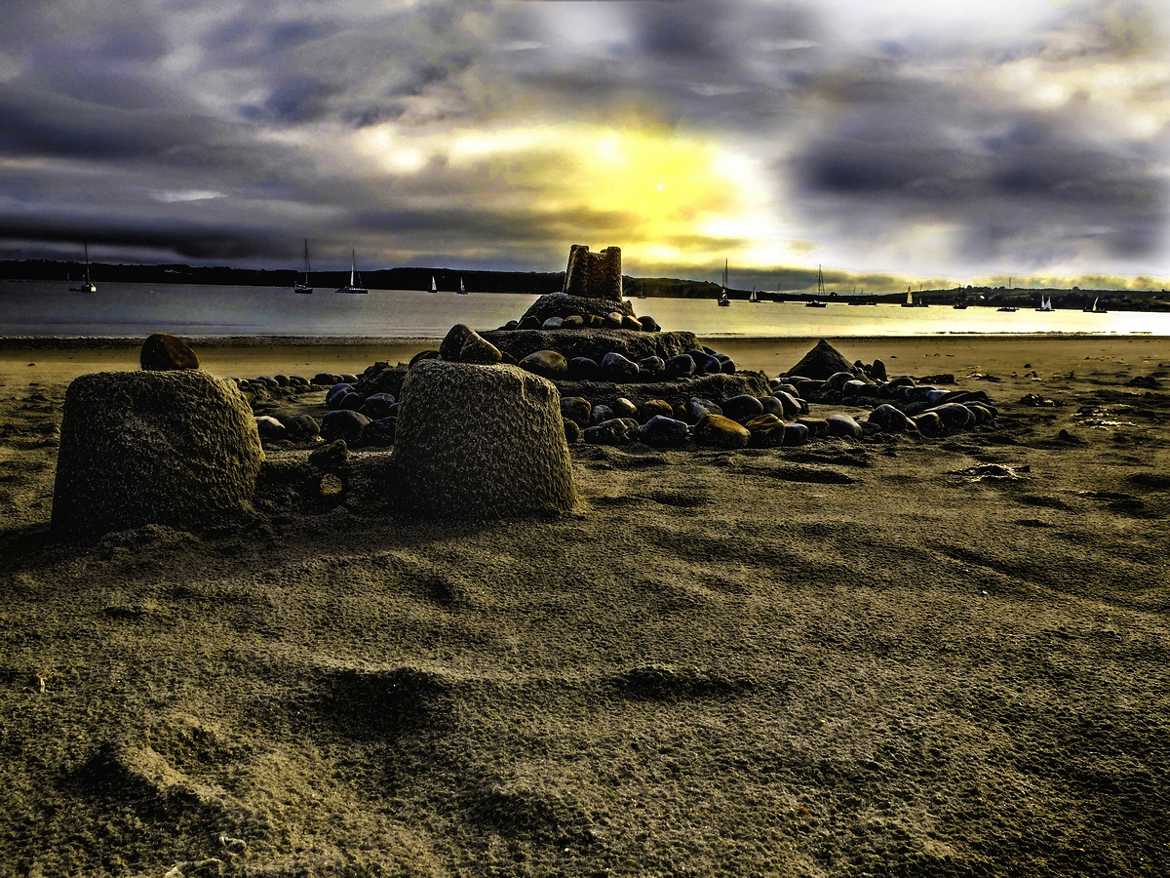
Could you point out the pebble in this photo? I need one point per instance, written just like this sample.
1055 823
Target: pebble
347 425
378 405
550 364
552 323
892 420
664 432
652 407
719 432
816 426
600 414
583 368
573 321
651 367
163 353
843 425
649 324
330 457
624 408
616 367
629 322
681 366
334 394
576 408
572 431
270 428
304 426
380 432
795 433
742 408
615 431
767 431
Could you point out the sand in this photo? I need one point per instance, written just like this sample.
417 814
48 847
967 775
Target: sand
842 659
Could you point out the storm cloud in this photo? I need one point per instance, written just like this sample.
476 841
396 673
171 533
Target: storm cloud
879 139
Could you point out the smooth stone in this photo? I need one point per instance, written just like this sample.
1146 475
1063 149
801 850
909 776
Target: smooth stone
298 381
767 431
618 368
380 432
454 340
600 414
681 366
891 420
624 408
614 319
548 364
954 416
529 323
651 367
742 408
282 380
631 323
727 366
878 370
837 380
343 424
479 350
615 431
270 428
553 323
422 357
792 406
649 324
352 401
856 387
583 368
843 425
662 431
303 426
573 321
719 432
349 378
576 408
165 353
572 431
928 423
816 426
335 394
377 405
795 434
652 407
772 406
322 378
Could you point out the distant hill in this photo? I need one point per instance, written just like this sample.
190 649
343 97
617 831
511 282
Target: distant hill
419 278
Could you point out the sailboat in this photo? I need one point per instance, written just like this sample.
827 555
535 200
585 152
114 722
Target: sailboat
89 286
909 303
1096 309
817 303
462 289
303 285
434 286
754 298
1045 304
355 279
724 301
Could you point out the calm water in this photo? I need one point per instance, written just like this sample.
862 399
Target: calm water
39 309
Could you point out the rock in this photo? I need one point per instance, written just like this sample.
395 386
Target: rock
796 433
662 431
652 407
720 432
343 424
649 324
378 405
892 420
577 409
594 275
336 393
817 426
772 406
477 349
593 343
573 431
379 433
615 320
856 387
153 447
270 428
953 416
599 414
331 457
767 431
480 442
349 379
552 323
530 322
453 342
623 408
742 408
651 368
705 363
821 362
681 366
615 431
325 378
423 356
878 370
838 380
583 369
928 423
616 367
548 364
298 381
163 353
281 380
792 406
631 323
843 425
303 426
573 321
352 401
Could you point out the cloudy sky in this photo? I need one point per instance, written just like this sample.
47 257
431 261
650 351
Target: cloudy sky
946 139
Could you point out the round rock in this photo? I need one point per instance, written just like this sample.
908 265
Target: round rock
164 353
719 432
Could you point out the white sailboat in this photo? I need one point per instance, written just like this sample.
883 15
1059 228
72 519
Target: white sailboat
462 289
89 286
1096 308
304 286
1045 304
816 302
724 301
434 286
355 279
909 303
754 297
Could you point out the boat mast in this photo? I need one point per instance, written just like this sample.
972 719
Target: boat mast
87 278
308 267
352 266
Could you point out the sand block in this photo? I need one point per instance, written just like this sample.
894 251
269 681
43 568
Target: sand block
178 448
594 275
480 442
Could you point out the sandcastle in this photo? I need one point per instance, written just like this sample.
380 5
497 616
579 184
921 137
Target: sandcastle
594 275
477 441
153 447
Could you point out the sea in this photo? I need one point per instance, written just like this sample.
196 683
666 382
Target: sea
38 309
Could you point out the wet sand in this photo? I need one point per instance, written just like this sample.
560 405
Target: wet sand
840 659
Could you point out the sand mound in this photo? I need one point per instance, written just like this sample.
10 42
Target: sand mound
821 362
177 448
481 442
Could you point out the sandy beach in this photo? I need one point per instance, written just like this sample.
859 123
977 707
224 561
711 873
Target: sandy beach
848 658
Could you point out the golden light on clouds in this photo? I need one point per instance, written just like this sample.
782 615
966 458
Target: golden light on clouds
664 196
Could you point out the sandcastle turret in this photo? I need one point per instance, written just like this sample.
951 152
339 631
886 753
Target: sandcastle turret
594 275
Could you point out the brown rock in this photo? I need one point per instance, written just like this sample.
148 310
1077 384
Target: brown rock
164 353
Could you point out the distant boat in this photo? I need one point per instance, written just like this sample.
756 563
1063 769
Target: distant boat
909 303
724 301
434 286
960 306
462 289
303 285
1045 304
1096 308
816 303
89 286
355 279
1008 309
754 298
